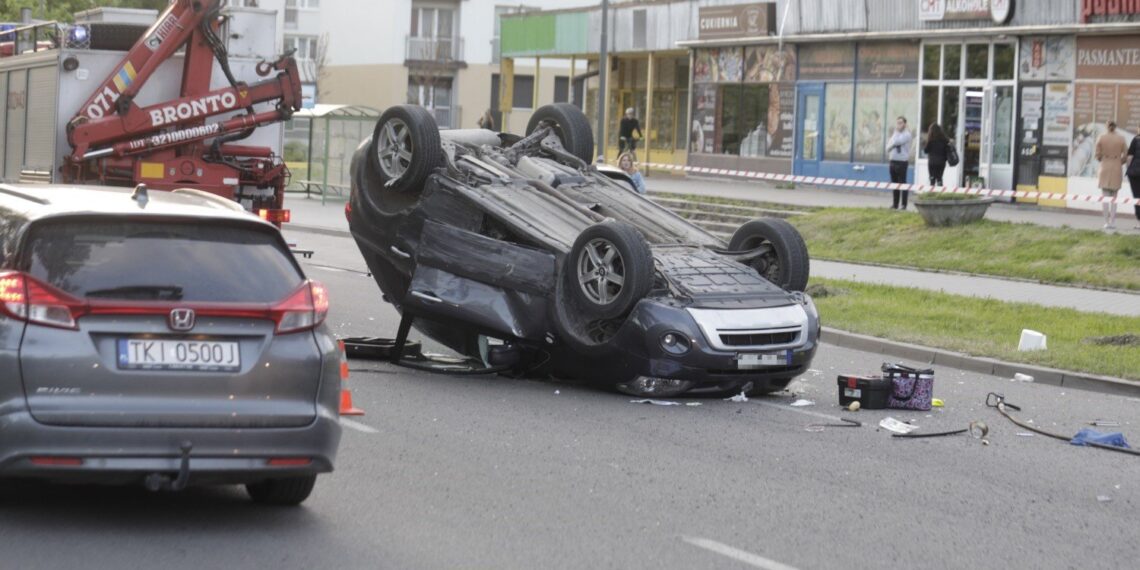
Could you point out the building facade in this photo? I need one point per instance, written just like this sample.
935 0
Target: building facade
440 54
814 86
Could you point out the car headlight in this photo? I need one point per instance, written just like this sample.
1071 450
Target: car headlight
675 343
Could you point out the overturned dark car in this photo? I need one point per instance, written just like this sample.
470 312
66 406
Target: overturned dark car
520 253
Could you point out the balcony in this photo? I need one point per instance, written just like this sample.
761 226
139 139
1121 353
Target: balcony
446 52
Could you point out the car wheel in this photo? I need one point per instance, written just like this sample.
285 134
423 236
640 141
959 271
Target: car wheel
570 125
612 269
405 148
785 263
284 491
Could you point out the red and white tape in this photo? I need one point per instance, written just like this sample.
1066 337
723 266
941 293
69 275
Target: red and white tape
873 185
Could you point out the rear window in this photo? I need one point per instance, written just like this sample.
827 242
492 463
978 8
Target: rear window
162 261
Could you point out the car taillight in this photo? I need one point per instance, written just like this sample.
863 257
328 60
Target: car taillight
306 308
274 215
27 299
348 211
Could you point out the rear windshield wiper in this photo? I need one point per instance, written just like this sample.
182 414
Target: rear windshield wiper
157 292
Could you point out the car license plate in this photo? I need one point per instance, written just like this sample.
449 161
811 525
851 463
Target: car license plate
195 355
749 361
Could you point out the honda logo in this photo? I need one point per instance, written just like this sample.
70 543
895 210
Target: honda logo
181 319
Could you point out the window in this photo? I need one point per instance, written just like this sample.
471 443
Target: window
639 28
523 92
931 55
306 46
432 22
952 63
1003 61
434 94
977 61
163 261
561 89
871 122
838 103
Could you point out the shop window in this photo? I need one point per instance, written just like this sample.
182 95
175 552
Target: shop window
1004 61
977 61
729 140
755 106
681 125
950 101
1003 124
523 96
661 135
952 62
929 114
838 104
902 101
811 128
931 55
871 121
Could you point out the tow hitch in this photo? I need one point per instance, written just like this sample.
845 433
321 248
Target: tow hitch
161 482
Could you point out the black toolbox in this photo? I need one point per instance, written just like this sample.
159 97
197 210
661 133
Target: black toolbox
870 391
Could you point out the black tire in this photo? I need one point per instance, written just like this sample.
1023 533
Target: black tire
115 37
289 491
411 130
787 265
571 126
623 254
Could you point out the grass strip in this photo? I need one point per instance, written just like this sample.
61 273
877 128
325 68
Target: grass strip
982 327
1050 255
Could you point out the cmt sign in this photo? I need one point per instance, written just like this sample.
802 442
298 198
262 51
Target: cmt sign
1094 8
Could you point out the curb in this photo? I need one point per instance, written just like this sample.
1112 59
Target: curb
983 365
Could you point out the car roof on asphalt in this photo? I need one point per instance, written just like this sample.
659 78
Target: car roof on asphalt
42 200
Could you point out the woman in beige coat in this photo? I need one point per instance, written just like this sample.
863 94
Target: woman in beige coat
1110 151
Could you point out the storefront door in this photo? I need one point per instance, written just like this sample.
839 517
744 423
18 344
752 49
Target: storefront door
809 134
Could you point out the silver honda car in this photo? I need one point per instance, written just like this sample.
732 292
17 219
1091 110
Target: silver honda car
160 338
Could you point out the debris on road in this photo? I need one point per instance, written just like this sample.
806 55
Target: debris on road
692 404
891 424
937 403
802 403
1025 434
846 424
1104 423
1089 435
1019 377
557 392
1104 498
853 406
655 402
739 398
1031 340
871 392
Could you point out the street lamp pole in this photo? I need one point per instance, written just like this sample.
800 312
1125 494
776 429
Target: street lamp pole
603 71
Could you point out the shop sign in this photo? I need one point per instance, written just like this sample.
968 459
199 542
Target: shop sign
1108 57
888 61
736 21
1109 10
999 11
763 64
1048 58
827 61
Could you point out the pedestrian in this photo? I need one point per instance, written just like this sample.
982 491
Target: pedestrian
628 166
487 121
937 149
1110 151
1133 160
898 151
629 124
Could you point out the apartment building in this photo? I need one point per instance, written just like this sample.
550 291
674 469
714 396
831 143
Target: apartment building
441 54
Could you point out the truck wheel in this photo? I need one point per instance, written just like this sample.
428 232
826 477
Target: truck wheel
571 126
405 148
288 491
115 37
786 262
612 269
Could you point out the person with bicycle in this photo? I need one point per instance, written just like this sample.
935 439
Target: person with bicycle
629 124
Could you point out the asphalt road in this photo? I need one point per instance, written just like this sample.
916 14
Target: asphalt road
489 472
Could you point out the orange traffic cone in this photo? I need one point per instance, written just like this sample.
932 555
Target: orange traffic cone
346 407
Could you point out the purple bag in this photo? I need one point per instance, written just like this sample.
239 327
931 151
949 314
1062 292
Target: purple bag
912 389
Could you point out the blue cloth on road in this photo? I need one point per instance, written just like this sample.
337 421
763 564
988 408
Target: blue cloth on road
1089 435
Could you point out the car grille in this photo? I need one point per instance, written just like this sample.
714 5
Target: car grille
759 338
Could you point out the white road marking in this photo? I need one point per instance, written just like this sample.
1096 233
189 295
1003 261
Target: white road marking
358 426
796 410
754 560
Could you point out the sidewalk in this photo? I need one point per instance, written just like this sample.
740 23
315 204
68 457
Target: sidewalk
310 215
831 197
